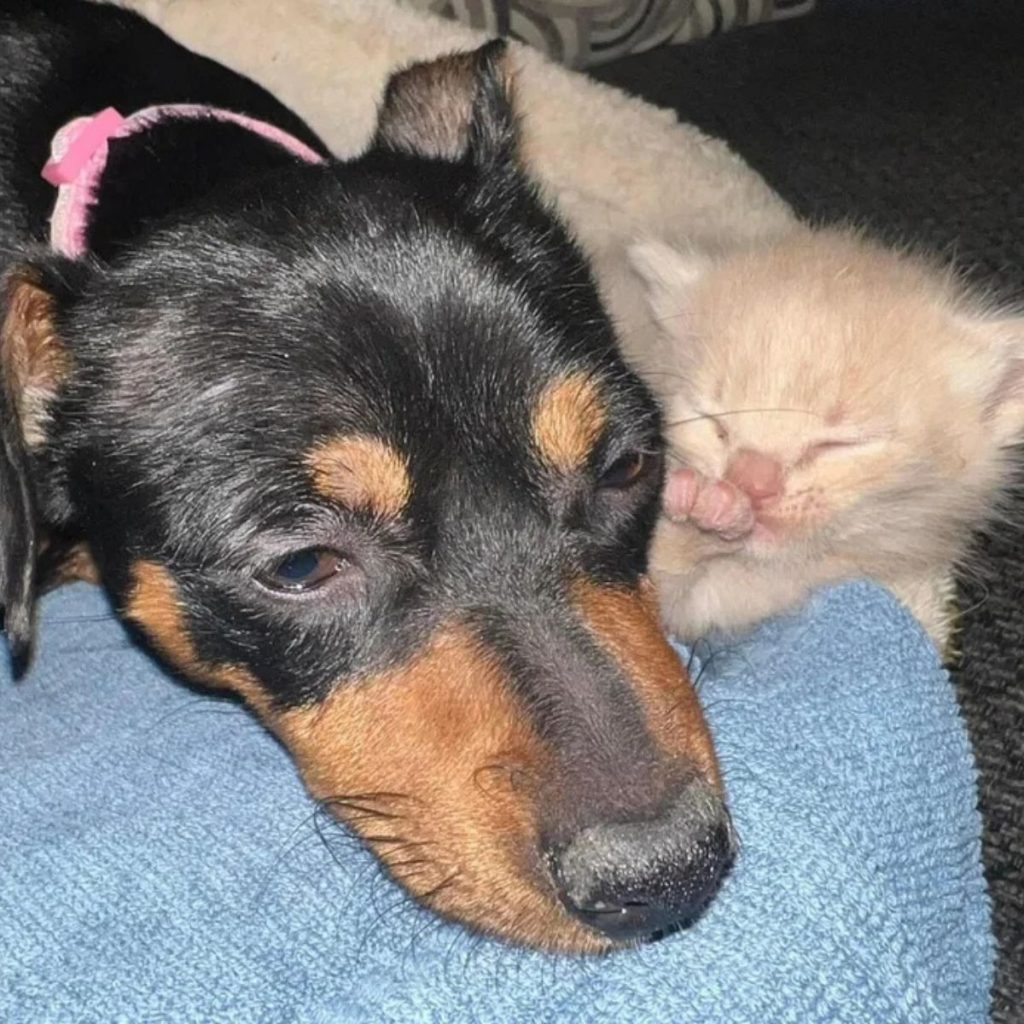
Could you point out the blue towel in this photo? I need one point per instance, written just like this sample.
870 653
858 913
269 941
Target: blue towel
159 861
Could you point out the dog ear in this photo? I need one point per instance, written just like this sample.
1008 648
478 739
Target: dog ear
451 108
33 365
17 531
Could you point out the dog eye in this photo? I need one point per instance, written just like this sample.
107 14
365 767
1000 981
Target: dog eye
302 571
627 470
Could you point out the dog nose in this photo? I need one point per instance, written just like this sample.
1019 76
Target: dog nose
641 879
758 474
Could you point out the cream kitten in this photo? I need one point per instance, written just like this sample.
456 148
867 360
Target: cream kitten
834 409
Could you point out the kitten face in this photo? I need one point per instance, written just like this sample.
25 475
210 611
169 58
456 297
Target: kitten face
854 400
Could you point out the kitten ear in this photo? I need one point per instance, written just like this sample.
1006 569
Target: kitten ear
1004 396
669 275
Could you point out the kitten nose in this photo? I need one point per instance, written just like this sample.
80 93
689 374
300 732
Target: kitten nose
759 475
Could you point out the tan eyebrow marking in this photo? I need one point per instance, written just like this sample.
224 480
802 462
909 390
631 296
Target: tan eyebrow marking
361 472
567 421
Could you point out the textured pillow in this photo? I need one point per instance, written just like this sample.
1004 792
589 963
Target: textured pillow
586 32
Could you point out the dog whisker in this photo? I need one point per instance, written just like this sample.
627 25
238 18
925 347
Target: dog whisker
372 796
458 939
298 836
476 943
429 926
395 865
442 886
403 843
351 809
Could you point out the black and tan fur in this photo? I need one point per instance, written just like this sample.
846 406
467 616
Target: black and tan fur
354 441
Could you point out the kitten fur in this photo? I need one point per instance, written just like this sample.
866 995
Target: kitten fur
834 409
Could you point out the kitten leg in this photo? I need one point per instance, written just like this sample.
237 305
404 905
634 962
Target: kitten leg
932 600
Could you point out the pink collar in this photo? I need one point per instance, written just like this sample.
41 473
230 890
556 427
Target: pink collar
78 157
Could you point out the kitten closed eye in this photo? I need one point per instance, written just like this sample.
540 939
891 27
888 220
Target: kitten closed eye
830 447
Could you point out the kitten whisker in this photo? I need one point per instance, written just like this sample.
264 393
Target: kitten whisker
743 412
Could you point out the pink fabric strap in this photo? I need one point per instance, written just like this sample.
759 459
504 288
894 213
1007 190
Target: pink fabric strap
78 158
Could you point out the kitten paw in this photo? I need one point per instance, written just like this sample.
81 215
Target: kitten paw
681 490
715 506
724 509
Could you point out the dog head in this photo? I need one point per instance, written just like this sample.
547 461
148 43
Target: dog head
354 441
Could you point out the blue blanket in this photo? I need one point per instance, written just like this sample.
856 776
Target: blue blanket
159 861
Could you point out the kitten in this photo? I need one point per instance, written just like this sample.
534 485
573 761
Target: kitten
833 409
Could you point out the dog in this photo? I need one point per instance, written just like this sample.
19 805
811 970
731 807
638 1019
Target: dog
353 441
